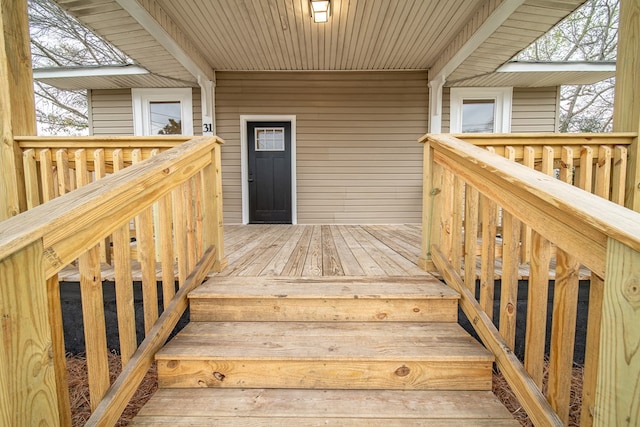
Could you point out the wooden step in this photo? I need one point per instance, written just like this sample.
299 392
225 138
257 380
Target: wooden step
360 299
335 355
315 408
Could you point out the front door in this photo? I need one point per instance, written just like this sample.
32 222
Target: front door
269 172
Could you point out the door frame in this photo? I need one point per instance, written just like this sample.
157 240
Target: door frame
244 160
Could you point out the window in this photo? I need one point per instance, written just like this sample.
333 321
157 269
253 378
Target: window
481 110
162 111
269 139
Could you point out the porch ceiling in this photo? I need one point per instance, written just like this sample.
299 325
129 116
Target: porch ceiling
243 35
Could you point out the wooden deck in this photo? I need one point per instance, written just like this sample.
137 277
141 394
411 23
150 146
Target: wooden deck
321 250
310 250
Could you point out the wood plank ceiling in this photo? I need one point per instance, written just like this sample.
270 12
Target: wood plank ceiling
266 35
360 34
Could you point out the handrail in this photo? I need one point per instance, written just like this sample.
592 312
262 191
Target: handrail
586 229
36 244
594 162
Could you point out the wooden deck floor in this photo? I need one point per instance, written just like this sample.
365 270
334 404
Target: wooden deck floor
309 250
322 250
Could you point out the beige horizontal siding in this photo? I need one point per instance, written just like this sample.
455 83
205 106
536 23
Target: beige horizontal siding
532 109
112 112
357 156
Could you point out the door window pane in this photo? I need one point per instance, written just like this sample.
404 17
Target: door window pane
166 118
478 115
269 139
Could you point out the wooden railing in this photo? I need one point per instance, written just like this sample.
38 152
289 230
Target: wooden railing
585 230
596 163
36 245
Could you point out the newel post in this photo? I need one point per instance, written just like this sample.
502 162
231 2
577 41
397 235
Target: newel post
17 105
617 402
212 206
27 374
626 108
431 195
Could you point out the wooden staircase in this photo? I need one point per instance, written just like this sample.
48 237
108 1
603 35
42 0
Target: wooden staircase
278 351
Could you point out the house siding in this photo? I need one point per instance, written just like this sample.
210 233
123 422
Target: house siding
357 156
112 112
532 109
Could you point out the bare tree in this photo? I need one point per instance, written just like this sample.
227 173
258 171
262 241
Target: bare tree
59 40
588 34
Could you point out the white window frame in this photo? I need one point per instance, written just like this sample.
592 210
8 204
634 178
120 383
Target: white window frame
244 161
142 98
503 97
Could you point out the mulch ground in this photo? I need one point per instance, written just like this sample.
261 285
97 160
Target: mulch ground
80 410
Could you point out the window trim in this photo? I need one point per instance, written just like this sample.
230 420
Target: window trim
503 97
141 97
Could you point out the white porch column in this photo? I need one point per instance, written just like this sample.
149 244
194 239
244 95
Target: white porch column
208 100
435 103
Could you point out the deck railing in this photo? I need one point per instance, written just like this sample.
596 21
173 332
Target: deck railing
466 189
36 245
597 163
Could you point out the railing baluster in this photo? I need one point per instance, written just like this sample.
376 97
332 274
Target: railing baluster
603 172
457 224
586 168
528 160
47 175
31 178
124 282
197 194
95 333
619 174
472 201
100 171
64 175
180 233
509 286
537 307
147 258
566 165
191 225
59 353
167 259
592 350
563 331
488 254
446 212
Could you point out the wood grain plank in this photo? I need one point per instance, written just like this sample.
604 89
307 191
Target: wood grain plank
619 361
47 176
368 264
509 285
145 243
487 270
95 332
295 264
313 262
471 226
348 261
563 331
537 308
27 372
124 282
333 407
31 178
331 265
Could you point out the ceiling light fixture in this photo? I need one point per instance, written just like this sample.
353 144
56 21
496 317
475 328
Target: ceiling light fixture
320 10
